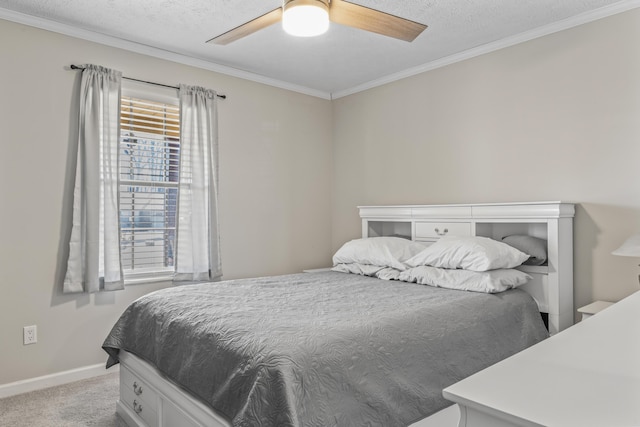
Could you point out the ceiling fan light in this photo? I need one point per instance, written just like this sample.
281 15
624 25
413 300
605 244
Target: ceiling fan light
305 18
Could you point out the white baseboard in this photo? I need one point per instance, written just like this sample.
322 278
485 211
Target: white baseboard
45 381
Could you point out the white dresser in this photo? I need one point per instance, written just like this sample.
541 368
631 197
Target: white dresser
587 375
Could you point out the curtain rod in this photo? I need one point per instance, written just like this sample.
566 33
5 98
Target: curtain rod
75 67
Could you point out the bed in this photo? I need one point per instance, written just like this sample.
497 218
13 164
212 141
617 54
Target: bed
334 347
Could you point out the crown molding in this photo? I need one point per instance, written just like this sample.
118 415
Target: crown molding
555 27
116 42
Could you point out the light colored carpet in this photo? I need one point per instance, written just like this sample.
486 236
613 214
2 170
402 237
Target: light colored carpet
90 402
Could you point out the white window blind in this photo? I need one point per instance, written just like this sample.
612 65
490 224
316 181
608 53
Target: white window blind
149 174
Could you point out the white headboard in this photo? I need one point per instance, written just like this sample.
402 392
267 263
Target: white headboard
552 284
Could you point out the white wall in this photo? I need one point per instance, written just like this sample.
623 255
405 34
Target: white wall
275 191
557 118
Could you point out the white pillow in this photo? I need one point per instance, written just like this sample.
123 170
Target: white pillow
487 281
381 251
384 273
469 253
534 247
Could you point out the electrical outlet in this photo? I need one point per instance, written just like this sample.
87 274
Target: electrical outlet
30 334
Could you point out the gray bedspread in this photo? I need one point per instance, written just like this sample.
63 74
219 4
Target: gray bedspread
323 349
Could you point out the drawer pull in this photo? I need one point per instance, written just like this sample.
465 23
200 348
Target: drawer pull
437 230
137 408
137 389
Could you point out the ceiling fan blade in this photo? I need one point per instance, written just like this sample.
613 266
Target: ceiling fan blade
364 18
247 28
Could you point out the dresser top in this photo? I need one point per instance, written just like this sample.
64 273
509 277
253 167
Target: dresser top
587 375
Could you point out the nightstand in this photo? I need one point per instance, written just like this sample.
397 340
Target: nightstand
593 308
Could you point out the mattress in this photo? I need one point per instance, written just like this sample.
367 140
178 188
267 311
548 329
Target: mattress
323 349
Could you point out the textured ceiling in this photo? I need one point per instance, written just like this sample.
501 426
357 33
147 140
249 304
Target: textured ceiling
337 62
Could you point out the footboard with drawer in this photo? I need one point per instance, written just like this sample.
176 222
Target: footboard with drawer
148 399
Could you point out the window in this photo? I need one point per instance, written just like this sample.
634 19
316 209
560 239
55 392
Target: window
149 174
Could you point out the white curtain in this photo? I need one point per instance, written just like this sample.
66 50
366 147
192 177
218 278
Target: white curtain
197 239
94 247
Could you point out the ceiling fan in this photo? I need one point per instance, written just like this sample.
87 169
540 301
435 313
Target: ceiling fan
311 17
